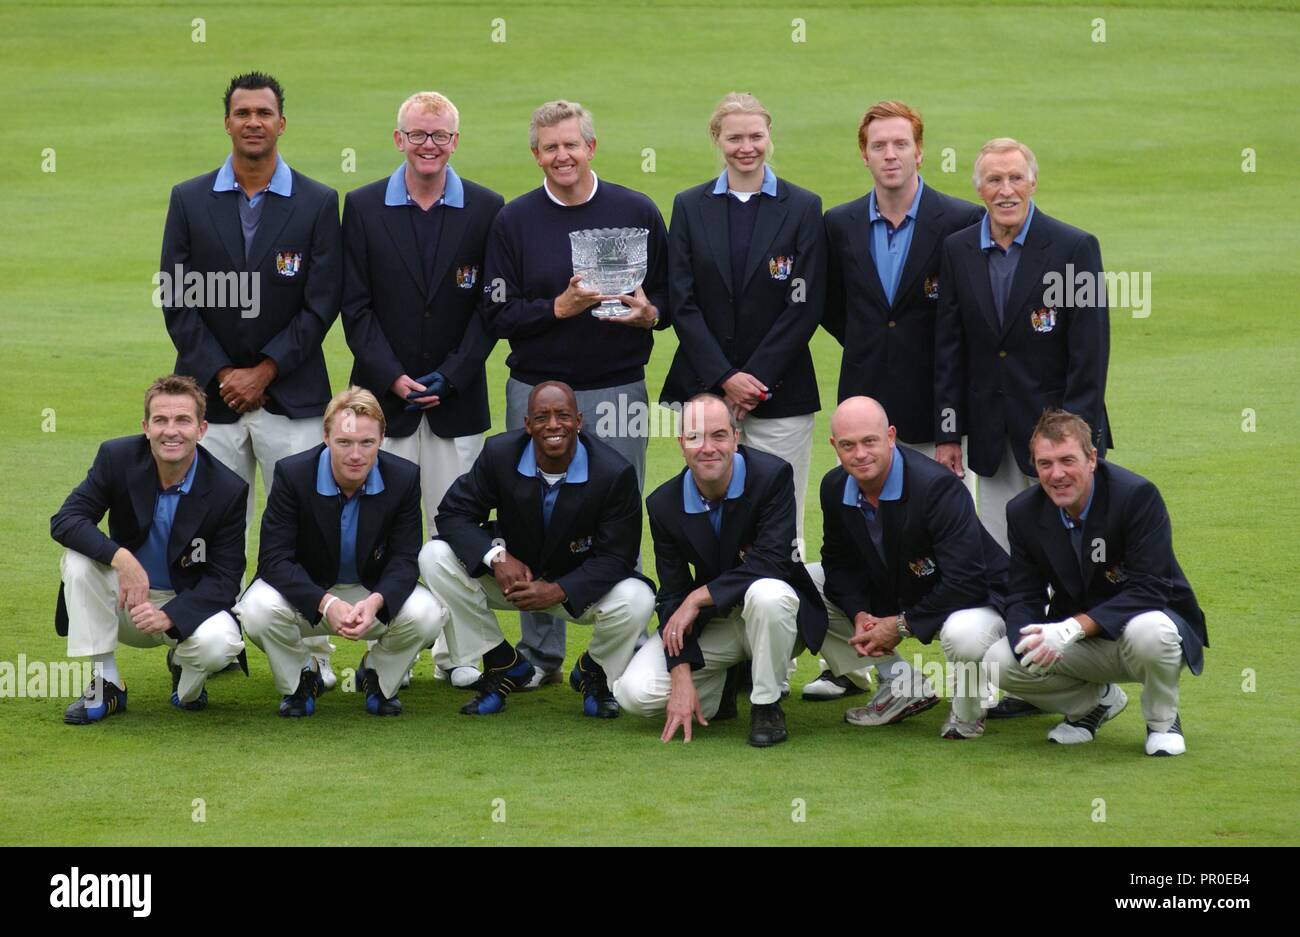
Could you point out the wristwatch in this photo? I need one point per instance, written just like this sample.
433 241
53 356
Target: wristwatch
903 630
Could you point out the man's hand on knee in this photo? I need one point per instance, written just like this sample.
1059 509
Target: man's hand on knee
132 580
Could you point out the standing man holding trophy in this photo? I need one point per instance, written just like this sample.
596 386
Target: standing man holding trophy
539 302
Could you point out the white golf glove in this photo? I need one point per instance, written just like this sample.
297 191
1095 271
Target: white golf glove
1042 646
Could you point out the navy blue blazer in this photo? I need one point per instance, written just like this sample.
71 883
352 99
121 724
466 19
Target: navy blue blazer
997 381
761 326
592 542
205 551
1128 565
889 347
938 556
299 553
396 325
757 542
296 256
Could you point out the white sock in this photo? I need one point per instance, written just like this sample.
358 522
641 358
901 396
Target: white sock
888 668
108 664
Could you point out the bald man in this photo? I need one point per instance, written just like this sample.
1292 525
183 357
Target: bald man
732 591
565 539
904 556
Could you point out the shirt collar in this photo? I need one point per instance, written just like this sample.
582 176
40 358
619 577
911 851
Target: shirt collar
767 188
1068 521
986 236
326 485
892 489
693 501
595 184
183 487
576 474
453 190
874 215
281 180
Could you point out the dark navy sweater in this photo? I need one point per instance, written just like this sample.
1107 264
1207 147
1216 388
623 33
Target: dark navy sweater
528 252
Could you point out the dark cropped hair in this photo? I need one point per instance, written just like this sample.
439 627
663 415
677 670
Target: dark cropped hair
177 385
251 81
1058 426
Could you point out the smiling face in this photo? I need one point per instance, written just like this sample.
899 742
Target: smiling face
708 443
743 139
254 122
1006 186
891 153
863 441
428 158
1065 472
553 420
354 446
564 156
174 429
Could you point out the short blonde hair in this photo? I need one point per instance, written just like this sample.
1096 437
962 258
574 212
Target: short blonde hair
431 102
736 102
1005 145
555 112
358 401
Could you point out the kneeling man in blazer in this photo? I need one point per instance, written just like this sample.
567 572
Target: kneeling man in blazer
730 514
169 568
1097 597
565 540
340 537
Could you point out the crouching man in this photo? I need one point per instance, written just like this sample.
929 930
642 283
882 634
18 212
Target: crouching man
169 568
905 556
730 514
565 539
1119 609
340 540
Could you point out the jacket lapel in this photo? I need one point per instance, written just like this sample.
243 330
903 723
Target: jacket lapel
329 513
276 212
143 484
860 246
735 521
771 215
190 511
713 213
1094 529
925 235
977 269
223 209
454 223
1033 257
397 221
1059 549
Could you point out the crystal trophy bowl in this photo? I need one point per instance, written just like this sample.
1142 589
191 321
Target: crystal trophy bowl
612 260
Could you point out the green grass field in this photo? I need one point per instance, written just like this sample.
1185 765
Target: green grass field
1140 140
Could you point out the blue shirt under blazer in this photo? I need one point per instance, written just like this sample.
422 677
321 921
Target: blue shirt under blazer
1126 567
998 379
757 541
396 324
296 255
301 530
889 346
123 481
592 540
763 324
938 558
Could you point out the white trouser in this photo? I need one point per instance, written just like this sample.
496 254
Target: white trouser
927 449
763 631
261 438
280 631
96 625
617 618
1149 651
965 636
442 461
789 438
994 491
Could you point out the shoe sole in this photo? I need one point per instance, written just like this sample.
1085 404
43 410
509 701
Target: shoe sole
822 698
908 712
768 743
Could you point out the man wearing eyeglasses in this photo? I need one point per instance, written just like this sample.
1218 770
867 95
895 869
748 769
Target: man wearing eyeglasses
413 245
249 287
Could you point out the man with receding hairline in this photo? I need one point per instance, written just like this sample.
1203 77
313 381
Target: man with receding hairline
732 590
904 556
564 541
